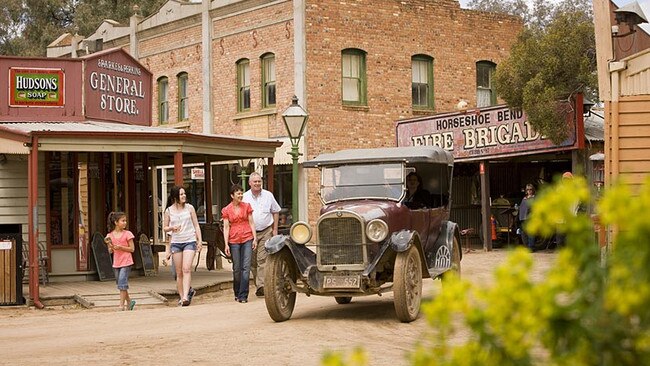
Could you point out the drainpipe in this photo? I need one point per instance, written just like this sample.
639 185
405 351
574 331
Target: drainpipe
614 69
206 65
32 222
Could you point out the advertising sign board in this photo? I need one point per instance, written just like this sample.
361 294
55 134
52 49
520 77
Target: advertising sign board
36 87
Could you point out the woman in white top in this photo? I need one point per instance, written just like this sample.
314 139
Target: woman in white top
181 222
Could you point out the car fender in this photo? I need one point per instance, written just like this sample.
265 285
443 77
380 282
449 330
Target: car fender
302 256
398 242
439 260
403 239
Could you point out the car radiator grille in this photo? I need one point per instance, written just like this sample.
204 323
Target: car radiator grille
340 241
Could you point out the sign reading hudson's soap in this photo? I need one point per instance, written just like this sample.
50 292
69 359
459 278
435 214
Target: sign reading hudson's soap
117 88
484 133
36 87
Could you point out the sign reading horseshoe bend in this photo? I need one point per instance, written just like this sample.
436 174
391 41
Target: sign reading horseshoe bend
117 88
484 133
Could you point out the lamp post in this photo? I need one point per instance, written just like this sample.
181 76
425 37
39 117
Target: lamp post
295 120
244 163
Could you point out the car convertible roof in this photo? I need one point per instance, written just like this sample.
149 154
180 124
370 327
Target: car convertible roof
408 154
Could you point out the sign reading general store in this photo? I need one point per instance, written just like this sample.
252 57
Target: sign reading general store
484 133
117 88
36 87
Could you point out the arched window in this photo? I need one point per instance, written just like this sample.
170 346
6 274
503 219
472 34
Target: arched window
422 81
163 101
183 100
485 95
243 85
268 80
353 73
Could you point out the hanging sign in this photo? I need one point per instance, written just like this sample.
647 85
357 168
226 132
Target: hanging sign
484 133
36 87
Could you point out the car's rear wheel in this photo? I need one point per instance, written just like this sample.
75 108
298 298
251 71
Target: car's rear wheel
280 299
407 284
455 262
343 299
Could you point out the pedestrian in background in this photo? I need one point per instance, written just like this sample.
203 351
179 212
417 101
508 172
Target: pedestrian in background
524 213
266 213
239 233
120 243
180 220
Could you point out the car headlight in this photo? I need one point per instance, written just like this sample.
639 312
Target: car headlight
377 230
300 232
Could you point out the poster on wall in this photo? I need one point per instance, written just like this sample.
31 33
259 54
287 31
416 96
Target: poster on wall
485 133
36 87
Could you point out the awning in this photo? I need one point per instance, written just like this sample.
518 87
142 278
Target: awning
282 157
161 143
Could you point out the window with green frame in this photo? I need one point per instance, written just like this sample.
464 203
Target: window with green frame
353 73
243 85
183 100
163 102
485 95
268 80
422 82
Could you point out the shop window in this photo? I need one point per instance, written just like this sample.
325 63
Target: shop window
353 76
268 80
243 85
422 82
485 95
163 102
183 99
61 198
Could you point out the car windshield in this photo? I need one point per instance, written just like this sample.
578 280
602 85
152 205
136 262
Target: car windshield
345 182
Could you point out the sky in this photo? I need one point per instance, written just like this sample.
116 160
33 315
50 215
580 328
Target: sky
645 6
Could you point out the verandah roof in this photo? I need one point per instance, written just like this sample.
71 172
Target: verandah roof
160 142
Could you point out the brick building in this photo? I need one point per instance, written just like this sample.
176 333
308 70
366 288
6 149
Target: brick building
356 67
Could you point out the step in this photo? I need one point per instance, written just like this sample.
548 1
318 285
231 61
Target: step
112 300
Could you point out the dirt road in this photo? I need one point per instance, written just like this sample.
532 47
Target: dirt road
217 330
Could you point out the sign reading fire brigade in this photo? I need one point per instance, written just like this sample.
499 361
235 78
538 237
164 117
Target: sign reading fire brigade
36 87
484 133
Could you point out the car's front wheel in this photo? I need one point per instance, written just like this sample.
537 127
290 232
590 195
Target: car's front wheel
407 284
280 299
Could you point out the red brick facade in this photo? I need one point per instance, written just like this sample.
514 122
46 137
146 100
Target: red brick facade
389 31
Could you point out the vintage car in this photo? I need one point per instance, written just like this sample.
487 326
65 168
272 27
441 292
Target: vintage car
368 241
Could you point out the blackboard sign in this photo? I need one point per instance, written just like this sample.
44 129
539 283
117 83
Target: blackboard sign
103 259
146 256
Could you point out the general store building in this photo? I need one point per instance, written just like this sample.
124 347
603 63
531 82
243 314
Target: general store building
76 143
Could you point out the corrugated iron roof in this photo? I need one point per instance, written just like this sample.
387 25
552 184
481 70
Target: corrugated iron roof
595 127
27 128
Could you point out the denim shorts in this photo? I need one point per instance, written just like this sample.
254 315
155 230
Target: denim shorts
122 277
181 247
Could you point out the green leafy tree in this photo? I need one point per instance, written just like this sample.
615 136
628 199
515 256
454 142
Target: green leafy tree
28 26
552 60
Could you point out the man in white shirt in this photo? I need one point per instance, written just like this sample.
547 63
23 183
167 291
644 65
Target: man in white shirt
266 212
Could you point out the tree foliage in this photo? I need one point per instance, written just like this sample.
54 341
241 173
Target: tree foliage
584 312
28 26
552 60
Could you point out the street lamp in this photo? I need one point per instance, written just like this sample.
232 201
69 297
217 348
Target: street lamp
244 163
295 120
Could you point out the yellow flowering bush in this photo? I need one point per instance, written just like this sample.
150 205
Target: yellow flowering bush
584 312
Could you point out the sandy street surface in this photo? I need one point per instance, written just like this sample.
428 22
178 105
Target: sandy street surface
217 330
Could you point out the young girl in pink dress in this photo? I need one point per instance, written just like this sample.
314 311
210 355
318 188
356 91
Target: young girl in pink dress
120 243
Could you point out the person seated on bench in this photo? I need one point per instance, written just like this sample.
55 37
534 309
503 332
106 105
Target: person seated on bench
416 196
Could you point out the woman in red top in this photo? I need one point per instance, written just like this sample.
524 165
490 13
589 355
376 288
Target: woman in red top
239 233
